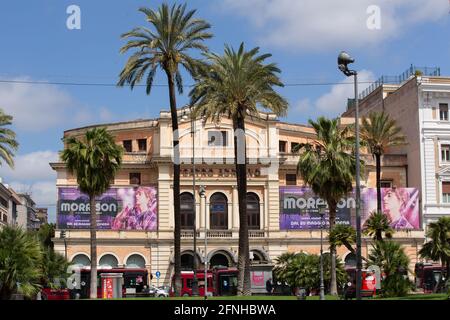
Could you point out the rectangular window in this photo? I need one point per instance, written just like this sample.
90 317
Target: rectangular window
128 145
282 146
291 179
4 202
142 144
294 146
135 178
445 153
386 184
446 192
443 111
217 138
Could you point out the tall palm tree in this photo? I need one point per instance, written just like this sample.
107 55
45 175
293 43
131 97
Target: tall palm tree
234 84
327 165
20 260
8 142
175 34
343 235
379 132
95 160
438 247
378 224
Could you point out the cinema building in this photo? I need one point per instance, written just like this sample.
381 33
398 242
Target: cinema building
280 209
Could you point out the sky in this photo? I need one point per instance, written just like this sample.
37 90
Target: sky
38 43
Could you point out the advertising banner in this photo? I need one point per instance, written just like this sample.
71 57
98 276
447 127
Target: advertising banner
117 209
299 208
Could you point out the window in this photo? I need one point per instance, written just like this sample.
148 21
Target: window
217 138
127 145
218 209
282 146
291 179
253 211
446 192
386 184
294 146
4 202
445 153
135 178
443 111
142 144
187 210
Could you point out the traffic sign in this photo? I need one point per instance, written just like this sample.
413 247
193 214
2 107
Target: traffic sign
157 274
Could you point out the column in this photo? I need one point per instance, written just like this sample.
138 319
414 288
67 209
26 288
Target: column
266 209
235 213
202 213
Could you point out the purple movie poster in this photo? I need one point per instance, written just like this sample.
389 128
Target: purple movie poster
117 209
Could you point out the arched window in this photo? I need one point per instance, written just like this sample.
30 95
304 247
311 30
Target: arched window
109 261
187 210
350 260
187 262
81 260
253 211
219 259
135 261
218 209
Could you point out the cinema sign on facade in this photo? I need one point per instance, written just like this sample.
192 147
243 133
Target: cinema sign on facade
136 214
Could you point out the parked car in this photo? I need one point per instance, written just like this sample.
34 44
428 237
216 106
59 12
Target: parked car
158 292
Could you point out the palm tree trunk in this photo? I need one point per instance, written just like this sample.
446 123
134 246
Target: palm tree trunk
378 168
93 229
176 184
244 285
333 282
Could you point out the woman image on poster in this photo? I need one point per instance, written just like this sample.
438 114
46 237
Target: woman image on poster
401 206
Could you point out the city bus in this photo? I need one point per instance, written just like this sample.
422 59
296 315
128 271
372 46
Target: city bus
429 277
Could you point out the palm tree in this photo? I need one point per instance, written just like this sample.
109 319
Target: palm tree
393 261
438 247
20 260
176 32
343 235
377 224
8 143
234 85
54 268
379 132
328 166
95 160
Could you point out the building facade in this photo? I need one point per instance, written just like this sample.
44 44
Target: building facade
213 203
26 213
419 102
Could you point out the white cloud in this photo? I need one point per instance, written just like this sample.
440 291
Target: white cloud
31 166
37 107
42 192
334 102
331 24
302 106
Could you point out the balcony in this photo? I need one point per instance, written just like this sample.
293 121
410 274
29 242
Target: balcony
222 234
136 157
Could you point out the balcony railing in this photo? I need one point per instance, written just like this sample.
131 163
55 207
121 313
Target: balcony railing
219 234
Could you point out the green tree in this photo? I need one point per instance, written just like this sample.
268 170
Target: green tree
45 233
328 165
378 224
235 84
379 132
8 142
20 260
438 247
95 160
174 33
392 260
54 268
282 265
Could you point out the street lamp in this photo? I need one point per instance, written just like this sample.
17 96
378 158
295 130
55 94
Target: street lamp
194 279
321 208
202 191
344 59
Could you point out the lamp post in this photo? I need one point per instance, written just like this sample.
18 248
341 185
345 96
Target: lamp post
195 279
202 191
321 208
62 235
344 60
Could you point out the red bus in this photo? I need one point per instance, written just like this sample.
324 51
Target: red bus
429 277
134 280
222 281
368 284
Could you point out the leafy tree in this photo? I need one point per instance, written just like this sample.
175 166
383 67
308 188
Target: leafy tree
95 160
235 84
378 224
20 260
393 261
54 268
173 35
379 132
45 234
438 247
328 166
8 142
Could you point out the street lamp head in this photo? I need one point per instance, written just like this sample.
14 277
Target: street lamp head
202 191
344 59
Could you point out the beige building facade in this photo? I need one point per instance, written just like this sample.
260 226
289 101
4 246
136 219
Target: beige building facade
271 165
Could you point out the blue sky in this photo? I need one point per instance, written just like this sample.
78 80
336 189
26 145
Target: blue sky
304 37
